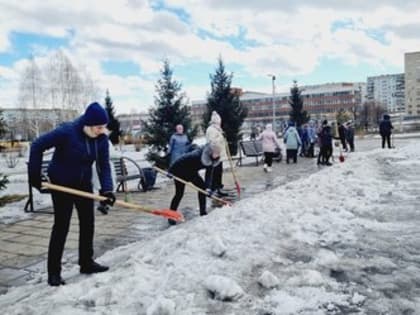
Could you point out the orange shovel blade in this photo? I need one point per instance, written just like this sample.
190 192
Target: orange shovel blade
170 214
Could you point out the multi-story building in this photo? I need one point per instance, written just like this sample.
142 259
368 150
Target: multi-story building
321 101
132 124
412 83
388 91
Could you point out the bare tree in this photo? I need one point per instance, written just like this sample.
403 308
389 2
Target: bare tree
58 85
68 87
370 114
31 95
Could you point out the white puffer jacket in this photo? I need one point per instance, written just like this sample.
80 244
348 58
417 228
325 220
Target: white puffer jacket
214 135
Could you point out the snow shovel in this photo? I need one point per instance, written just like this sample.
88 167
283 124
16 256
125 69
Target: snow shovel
167 213
192 186
238 188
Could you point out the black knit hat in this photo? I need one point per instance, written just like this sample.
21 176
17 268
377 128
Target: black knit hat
95 115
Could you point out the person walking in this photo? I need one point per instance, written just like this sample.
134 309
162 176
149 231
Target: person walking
214 135
342 131
385 130
187 168
326 148
292 141
269 145
350 135
77 145
179 144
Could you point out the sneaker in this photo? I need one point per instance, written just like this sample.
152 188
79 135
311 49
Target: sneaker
269 169
94 267
265 167
55 280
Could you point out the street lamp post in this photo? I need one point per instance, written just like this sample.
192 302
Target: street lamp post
273 79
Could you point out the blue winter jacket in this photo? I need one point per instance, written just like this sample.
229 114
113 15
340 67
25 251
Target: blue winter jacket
72 160
178 145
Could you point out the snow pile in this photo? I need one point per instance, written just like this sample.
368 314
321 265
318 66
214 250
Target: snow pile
280 256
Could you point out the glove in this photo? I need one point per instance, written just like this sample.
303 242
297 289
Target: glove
36 181
110 198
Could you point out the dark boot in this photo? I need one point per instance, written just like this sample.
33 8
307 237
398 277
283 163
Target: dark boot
171 222
220 193
93 267
55 280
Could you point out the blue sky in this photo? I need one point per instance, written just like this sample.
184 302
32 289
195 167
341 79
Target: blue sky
122 44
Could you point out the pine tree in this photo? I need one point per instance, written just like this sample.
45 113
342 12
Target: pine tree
113 124
170 110
297 114
227 104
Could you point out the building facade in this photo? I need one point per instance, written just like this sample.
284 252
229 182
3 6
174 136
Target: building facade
132 124
387 91
412 83
322 101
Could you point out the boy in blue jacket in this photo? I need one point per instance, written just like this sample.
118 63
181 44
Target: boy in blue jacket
77 145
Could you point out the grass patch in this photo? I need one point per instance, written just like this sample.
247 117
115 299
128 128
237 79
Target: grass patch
11 198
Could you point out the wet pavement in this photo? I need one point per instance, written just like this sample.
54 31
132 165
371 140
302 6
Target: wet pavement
24 244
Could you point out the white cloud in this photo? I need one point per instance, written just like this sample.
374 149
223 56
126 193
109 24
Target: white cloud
289 38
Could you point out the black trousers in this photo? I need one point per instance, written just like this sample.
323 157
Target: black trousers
268 158
291 154
63 207
213 177
387 139
343 143
179 193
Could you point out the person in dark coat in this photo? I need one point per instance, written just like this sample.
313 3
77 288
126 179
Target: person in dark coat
77 145
326 148
342 131
350 135
385 130
187 168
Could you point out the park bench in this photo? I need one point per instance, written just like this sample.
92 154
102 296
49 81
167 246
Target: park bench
250 148
126 169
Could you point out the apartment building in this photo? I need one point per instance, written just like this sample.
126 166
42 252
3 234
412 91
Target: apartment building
388 91
412 83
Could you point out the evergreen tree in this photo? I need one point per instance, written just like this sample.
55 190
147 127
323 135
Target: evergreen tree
227 104
113 124
3 126
297 114
170 110
3 181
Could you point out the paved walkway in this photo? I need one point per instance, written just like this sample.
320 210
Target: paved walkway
24 244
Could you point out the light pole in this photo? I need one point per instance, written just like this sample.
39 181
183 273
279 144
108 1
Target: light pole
273 78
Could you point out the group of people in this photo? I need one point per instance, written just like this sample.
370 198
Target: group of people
84 142
186 164
81 143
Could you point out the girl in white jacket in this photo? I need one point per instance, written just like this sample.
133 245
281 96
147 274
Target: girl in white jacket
214 135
